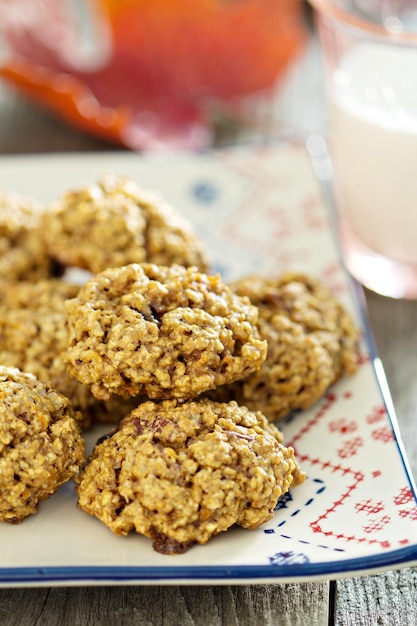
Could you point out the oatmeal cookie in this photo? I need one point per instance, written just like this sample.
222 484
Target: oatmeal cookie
33 335
180 473
312 341
41 446
114 222
165 332
23 255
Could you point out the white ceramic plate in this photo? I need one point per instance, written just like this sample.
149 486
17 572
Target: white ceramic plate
258 210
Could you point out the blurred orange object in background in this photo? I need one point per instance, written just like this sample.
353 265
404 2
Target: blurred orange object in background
147 73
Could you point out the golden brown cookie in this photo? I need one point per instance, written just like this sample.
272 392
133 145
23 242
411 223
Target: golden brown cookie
312 341
41 446
33 335
180 473
23 255
114 222
166 332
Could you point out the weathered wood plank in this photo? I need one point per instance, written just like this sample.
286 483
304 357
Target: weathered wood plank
385 600
264 605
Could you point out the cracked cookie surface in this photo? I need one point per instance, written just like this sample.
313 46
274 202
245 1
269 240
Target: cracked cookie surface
180 473
166 332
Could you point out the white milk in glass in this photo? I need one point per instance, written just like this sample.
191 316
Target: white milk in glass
373 119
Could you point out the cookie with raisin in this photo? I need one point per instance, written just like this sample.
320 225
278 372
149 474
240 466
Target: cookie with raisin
180 473
163 332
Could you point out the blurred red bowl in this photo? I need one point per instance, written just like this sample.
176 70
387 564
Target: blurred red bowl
148 74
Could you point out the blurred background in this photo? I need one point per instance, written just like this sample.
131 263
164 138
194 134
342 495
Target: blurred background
107 74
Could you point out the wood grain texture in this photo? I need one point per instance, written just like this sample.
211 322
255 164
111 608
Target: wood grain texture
264 605
382 600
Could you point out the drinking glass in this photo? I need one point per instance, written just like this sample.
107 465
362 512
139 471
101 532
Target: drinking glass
369 51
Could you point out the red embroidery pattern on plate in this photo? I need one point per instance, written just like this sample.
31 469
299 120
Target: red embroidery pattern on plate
350 428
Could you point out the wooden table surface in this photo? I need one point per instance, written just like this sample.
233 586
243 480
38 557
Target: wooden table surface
389 598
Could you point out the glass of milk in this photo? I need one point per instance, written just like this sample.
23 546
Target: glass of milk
370 61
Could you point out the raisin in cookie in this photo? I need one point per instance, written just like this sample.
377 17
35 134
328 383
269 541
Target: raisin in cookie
180 473
114 222
41 446
166 332
312 341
